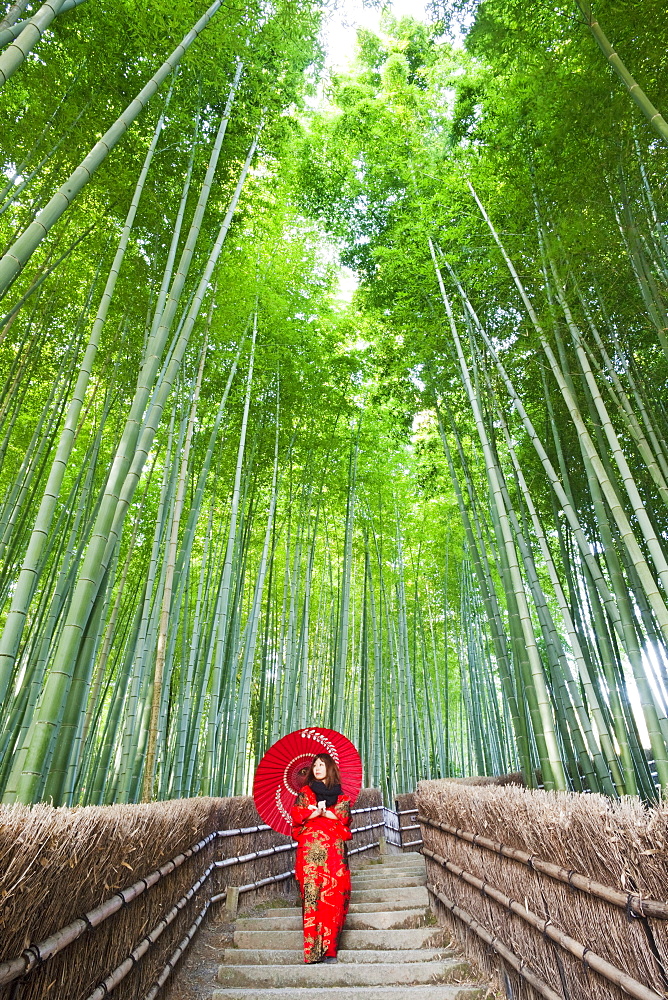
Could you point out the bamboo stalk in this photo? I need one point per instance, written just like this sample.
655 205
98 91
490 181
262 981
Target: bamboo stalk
478 554
637 94
127 469
33 29
589 449
13 14
243 706
223 602
551 760
10 30
167 592
648 531
23 248
28 578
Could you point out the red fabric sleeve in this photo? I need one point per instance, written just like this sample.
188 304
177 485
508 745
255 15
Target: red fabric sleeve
301 812
342 810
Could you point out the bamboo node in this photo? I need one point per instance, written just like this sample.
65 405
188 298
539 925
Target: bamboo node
38 960
631 899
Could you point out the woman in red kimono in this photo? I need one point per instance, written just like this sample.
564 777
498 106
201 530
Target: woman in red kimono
321 825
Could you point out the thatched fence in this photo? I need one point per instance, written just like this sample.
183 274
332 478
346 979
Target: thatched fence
102 900
561 895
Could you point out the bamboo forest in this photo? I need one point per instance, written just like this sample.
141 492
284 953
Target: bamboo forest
332 396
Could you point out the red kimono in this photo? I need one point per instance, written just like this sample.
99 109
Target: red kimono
321 868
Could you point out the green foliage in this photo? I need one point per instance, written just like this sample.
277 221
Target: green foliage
415 572
530 114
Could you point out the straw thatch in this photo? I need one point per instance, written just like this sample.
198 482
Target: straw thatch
514 778
621 844
406 802
368 799
58 864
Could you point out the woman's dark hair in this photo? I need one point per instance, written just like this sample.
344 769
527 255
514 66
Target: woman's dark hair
333 776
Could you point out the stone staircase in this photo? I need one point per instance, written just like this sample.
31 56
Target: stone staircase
390 947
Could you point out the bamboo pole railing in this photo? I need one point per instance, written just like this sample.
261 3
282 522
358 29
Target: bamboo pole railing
179 951
545 927
125 967
409 826
366 829
111 981
370 826
513 960
632 902
39 952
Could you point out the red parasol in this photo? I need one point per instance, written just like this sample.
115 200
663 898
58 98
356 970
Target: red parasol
282 771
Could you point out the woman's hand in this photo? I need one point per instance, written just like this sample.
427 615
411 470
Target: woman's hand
320 811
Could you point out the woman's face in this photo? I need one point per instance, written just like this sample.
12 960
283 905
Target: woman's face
319 769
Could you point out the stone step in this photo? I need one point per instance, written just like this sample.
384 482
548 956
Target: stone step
404 856
348 974
381 885
382 920
436 992
388 883
370 873
404 939
394 861
386 904
389 871
396 904
415 895
274 956
396 878
389 866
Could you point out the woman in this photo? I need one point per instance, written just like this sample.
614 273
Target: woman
321 825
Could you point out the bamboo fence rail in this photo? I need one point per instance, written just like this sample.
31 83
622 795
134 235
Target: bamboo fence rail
545 927
407 812
54 862
566 890
630 901
509 957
